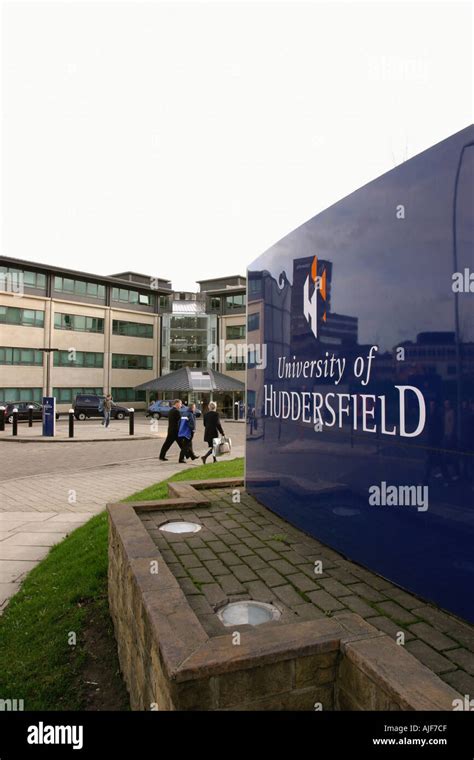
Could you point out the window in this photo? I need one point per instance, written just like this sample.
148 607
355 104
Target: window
253 322
11 395
10 315
78 323
165 303
67 395
215 303
17 356
234 366
236 301
128 394
132 329
131 296
11 276
79 287
78 359
255 285
234 332
132 361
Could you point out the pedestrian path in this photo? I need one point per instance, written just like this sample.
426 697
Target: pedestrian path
39 510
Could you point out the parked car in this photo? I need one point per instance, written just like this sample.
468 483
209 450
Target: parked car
160 409
23 411
87 405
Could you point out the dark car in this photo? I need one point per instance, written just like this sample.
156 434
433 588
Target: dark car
87 405
23 410
161 408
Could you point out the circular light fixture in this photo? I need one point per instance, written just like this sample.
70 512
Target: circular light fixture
247 612
180 526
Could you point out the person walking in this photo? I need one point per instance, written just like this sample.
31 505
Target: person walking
174 418
107 408
212 428
191 416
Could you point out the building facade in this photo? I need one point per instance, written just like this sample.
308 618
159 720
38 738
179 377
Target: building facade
67 332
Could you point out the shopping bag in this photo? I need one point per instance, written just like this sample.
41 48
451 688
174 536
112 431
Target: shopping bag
222 445
184 430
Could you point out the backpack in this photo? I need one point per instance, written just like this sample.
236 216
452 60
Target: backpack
101 405
184 430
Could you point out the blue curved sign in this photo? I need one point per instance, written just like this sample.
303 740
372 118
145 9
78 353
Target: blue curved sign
361 415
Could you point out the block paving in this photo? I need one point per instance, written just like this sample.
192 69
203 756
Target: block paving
244 551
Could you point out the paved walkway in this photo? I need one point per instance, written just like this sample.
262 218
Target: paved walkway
47 490
244 551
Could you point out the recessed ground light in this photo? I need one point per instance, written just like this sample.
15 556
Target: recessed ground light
180 526
346 512
248 613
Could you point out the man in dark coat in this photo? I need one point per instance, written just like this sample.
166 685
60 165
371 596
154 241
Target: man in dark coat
174 419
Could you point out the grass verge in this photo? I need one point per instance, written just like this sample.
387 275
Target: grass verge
64 598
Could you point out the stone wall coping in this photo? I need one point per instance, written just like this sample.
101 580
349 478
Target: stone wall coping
406 680
188 653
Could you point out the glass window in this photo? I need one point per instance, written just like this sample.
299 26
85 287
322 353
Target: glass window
128 394
16 316
78 359
28 317
13 316
12 395
80 287
27 356
253 322
134 329
78 322
29 278
234 332
236 301
234 366
132 361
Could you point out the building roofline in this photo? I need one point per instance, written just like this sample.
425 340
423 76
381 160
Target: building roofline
102 278
224 277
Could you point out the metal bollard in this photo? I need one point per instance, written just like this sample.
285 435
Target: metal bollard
71 423
15 422
30 416
131 422
2 418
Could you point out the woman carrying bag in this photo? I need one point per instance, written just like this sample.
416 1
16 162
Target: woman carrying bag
212 429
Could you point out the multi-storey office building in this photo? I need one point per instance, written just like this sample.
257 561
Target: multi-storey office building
67 332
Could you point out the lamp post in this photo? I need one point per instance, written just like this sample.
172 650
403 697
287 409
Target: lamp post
48 369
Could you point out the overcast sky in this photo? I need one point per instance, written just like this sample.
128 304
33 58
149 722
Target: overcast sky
183 139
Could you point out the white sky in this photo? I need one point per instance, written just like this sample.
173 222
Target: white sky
183 139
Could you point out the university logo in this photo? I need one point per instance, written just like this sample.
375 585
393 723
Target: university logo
310 303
